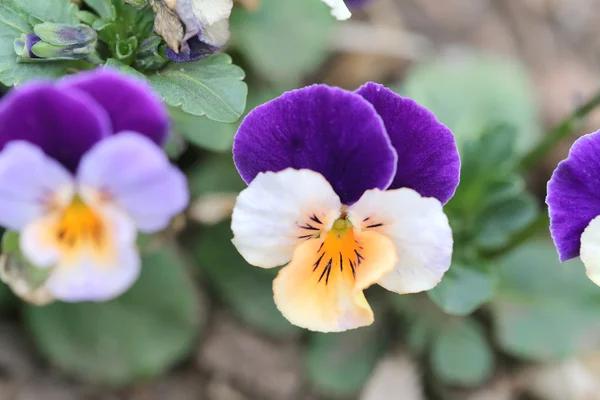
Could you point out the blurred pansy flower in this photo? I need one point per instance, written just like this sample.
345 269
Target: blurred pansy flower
574 205
81 172
345 190
338 9
193 29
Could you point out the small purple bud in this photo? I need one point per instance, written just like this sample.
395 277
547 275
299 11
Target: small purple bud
24 44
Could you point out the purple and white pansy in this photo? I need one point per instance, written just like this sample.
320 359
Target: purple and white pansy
346 190
574 205
82 172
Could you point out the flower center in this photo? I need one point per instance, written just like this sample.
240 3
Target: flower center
79 225
340 252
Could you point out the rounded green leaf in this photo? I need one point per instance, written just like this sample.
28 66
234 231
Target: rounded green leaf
212 87
246 289
544 310
338 364
138 335
283 39
463 289
203 132
499 221
461 354
470 94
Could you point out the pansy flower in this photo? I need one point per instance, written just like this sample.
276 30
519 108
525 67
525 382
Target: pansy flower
345 190
574 205
193 29
82 172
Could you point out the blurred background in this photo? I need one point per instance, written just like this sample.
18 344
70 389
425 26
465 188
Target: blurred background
509 322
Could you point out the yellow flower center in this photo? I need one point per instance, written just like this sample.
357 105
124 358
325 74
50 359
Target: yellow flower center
79 225
340 252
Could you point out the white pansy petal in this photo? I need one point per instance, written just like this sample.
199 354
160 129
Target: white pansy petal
279 210
210 12
36 242
590 250
136 174
30 182
419 229
338 9
99 276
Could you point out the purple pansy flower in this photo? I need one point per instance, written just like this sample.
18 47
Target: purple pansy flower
81 172
574 205
347 190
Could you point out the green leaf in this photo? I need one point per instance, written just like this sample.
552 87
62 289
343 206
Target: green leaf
116 64
211 87
14 21
544 310
51 10
284 39
136 336
215 174
246 289
488 157
203 132
471 94
212 135
338 364
104 8
498 222
463 290
461 354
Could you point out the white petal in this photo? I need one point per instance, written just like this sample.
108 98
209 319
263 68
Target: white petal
338 9
217 34
269 214
590 250
419 229
136 174
210 12
92 278
29 182
36 242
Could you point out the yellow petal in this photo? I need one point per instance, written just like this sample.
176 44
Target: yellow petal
321 289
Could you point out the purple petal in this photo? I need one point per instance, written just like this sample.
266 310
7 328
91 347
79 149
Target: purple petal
64 124
328 130
29 179
137 175
31 40
428 159
131 103
356 4
198 50
574 195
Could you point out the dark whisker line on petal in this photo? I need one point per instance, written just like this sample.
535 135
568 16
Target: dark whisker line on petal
366 219
374 226
320 247
309 227
305 237
360 257
314 218
318 262
327 270
352 267
341 262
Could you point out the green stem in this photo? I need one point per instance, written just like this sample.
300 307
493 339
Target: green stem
561 131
